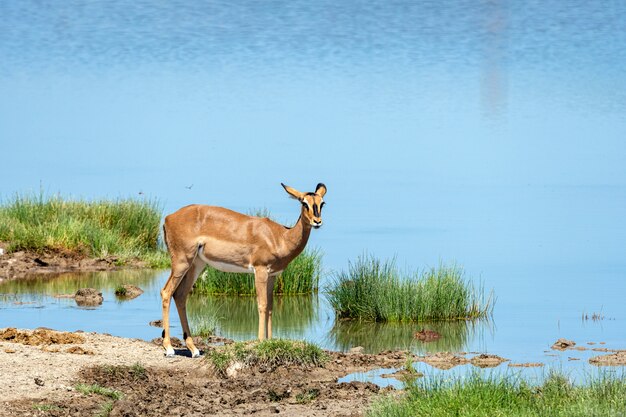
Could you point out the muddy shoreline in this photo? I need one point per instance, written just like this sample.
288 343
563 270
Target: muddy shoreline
42 369
24 264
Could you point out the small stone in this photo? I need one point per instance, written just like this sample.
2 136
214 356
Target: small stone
39 382
563 344
357 349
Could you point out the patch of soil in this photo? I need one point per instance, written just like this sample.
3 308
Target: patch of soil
88 297
526 365
130 291
22 264
39 337
614 359
77 350
485 360
443 360
427 335
563 344
180 386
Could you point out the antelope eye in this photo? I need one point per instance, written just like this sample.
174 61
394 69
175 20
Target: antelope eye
305 205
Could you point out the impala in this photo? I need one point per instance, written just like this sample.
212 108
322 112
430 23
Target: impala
199 235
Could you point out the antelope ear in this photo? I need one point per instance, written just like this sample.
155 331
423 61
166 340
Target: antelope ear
293 192
320 189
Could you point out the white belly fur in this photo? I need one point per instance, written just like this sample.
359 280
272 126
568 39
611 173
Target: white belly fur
226 267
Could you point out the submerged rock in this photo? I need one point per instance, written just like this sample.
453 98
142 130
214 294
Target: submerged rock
128 291
444 360
485 360
614 359
563 344
88 297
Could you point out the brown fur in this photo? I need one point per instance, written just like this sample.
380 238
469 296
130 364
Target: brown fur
259 245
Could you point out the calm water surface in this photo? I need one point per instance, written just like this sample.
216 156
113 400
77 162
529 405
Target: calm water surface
488 133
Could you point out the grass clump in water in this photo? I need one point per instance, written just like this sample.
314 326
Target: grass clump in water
124 228
479 396
270 353
372 290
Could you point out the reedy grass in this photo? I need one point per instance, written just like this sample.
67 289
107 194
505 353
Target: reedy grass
487 396
300 277
374 290
123 228
269 353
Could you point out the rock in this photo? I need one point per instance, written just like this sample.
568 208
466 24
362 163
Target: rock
156 323
444 360
485 360
614 359
357 349
128 291
563 344
88 297
39 382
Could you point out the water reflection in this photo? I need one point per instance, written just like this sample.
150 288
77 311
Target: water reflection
237 317
39 287
376 337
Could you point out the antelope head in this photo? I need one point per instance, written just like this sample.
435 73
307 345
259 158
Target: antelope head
312 203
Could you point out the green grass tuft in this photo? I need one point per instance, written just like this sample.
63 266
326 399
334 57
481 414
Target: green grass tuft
120 290
125 228
270 353
98 389
480 396
372 290
47 407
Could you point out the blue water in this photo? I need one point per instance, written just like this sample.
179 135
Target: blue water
488 133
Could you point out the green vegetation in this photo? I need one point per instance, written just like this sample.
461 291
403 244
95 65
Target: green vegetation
307 396
125 229
268 353
239 315
372 290
479 396
47 407
203 325
105 409
400 336
120 290
136 371
300 277
98 389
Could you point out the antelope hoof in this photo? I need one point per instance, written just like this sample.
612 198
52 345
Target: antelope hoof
195 353
169 352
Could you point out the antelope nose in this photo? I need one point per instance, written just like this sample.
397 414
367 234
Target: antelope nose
317 222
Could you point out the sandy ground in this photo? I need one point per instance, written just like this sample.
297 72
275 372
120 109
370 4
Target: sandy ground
40 370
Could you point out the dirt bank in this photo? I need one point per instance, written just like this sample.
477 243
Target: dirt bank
40 371
22 264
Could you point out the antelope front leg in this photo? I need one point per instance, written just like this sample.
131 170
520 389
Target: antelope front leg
261 281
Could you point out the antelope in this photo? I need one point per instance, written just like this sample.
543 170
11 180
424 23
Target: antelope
199 235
